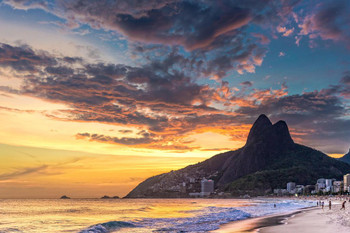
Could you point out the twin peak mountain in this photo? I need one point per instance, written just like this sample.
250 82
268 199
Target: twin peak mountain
270 159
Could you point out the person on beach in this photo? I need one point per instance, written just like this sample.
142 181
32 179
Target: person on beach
343 205
274 205
330 205
322 204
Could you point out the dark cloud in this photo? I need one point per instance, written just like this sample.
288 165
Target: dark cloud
23 58
247 83
213 34
346 79
125 131
192 24
146 138
329 21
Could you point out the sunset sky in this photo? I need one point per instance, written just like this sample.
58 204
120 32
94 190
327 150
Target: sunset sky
96 96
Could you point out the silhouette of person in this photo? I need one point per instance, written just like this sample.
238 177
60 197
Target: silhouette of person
330 205
343 205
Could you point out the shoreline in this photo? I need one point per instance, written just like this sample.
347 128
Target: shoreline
314 221
252 225
304 220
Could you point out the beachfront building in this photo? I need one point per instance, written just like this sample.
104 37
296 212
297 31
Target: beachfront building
346 182
337 186
320 185
299 189
207 187
291 187
329 185
309 189
329 182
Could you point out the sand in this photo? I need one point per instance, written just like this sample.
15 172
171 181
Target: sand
311 220
314 220
251 224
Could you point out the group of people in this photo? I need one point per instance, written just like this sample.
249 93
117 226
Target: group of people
321 203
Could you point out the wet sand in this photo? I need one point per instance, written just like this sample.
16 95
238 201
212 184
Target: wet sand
309 220
312 221
254 224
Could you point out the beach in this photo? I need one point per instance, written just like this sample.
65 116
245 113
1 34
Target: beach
307 220
314 220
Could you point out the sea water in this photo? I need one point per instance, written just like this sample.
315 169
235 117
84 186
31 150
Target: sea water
134 215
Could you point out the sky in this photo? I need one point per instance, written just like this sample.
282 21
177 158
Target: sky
97 95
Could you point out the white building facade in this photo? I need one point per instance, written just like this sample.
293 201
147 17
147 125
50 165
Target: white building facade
207 187
291 187
346 182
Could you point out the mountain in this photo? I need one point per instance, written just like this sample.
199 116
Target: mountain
269 160
346 158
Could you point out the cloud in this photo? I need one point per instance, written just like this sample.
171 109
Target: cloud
125 131
146 138
247 83
329 22
23 58
346 79
190 24
166 103
263 39
288 32
213 35
285 32
22 172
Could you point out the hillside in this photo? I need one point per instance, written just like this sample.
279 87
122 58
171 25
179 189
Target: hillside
345 158
269 159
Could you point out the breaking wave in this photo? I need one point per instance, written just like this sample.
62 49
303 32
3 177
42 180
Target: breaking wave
107 227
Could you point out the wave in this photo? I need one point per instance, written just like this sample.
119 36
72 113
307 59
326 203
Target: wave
107 227
210 219
201 220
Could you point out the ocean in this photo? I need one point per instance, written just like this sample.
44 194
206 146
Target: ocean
134 215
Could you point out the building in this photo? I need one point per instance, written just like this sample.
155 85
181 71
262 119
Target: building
183 187
291 187
194 194
320 185
280 192
299 189
309 189
337 186
346 182
329 183
207 187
